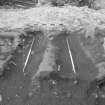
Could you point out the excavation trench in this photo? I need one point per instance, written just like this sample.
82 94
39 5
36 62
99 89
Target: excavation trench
57 86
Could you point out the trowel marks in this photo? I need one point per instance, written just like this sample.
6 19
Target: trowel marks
84 66
63 58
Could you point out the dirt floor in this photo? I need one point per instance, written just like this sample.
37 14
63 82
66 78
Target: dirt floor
56 89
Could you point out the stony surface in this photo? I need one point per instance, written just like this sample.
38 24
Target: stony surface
60 86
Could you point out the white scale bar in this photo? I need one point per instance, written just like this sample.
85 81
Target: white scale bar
28 55
70 54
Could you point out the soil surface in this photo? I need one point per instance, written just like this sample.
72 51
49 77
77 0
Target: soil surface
59 88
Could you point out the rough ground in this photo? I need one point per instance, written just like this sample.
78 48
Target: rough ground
59 88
